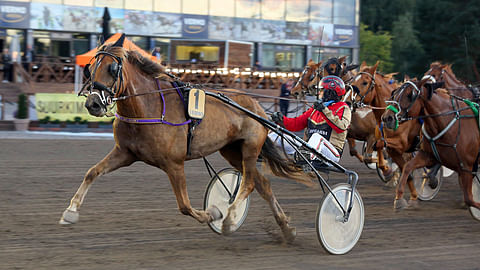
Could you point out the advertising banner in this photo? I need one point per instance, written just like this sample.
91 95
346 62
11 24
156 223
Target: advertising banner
14 14
64 107
297 32
220 27
138 22
117 17
46 16
345 35
247 29
166 24
195 26
81 19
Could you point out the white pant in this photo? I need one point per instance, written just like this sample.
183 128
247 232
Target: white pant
316 141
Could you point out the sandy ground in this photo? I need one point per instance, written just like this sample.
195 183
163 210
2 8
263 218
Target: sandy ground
130 219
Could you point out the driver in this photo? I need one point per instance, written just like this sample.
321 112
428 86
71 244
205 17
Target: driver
326 122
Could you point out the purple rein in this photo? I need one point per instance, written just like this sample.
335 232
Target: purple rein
156 120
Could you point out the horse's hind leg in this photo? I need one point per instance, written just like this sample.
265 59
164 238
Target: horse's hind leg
262 184
114 160
353 150
176 175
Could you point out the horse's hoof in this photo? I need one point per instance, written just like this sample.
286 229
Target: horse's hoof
433 182
69 217
400 204
290 234
413 204
227 228
214 212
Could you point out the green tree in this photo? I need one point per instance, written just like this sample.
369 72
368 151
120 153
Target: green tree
406 48
374 47
450 33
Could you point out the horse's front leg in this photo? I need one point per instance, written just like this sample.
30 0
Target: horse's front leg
176 174
421 160
114 160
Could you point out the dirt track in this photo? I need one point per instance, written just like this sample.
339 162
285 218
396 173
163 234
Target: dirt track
130 220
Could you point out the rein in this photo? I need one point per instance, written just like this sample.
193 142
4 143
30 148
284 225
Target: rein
370 88
160 120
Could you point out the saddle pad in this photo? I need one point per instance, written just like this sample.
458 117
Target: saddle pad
196 103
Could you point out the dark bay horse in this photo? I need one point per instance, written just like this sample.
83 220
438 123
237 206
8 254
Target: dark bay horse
362 125
145 94
450 130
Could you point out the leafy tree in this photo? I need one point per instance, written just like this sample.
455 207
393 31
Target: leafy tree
406 48
374 47
380 15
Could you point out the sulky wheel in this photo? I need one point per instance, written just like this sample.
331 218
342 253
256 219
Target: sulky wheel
221 192
476 197
426 188
335 235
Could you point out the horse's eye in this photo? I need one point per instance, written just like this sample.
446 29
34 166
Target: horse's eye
365 83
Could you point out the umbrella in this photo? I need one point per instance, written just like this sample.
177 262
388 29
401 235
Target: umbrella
106 24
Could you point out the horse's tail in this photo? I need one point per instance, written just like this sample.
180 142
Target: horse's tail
282 166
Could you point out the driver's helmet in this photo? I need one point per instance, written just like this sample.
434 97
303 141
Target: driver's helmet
333 83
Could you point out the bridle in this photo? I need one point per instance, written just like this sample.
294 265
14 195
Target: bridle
106 94
307 88
369 89
395 103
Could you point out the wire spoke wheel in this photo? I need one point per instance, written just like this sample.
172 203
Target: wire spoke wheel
427 189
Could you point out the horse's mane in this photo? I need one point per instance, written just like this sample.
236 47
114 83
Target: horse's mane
145 65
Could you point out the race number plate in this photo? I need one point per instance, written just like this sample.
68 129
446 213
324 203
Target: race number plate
196 103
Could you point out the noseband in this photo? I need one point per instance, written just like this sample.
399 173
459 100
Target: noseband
395 104
370 88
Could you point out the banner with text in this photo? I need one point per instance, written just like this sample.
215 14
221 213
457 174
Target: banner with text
64 107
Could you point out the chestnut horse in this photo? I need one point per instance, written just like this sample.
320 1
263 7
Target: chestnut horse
444 73
362 125
130 79
451 134
373 89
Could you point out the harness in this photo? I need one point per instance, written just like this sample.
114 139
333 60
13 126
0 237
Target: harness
115 70
370 88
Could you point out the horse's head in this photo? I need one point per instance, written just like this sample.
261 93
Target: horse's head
406 102
364 84
435 73
104 77
305 83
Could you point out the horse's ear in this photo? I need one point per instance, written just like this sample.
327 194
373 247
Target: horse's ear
319 64
406 78
119 42
352 67
310 62
363 65
342 59
373 69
